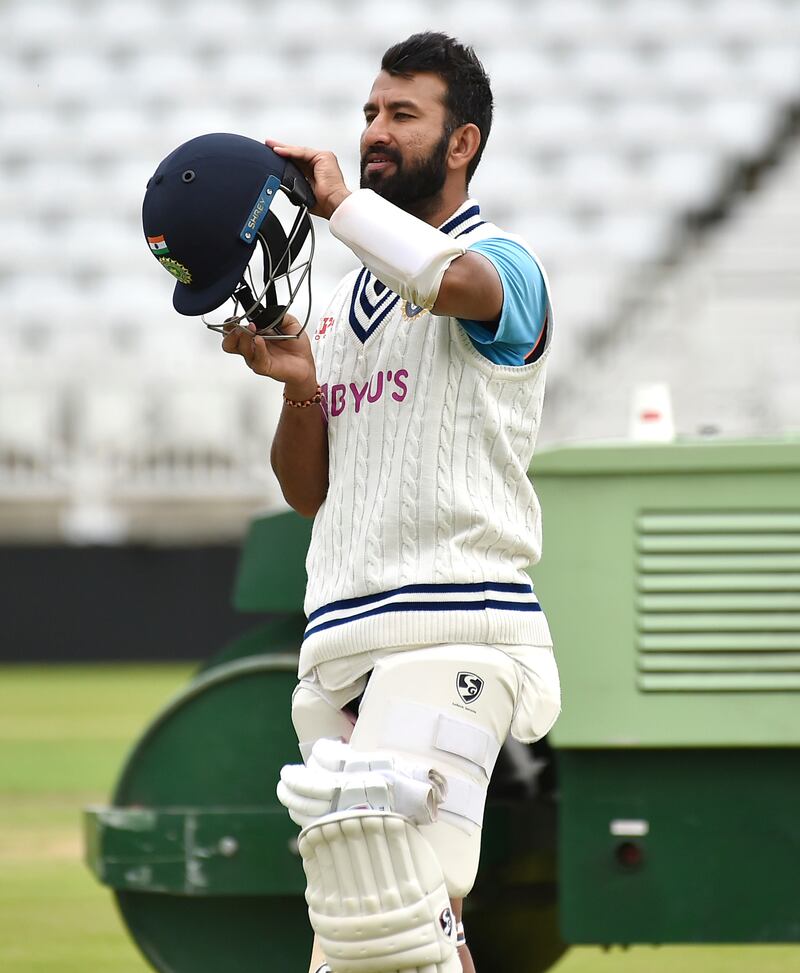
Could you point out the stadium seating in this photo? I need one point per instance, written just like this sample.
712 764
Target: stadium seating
721 329
620 124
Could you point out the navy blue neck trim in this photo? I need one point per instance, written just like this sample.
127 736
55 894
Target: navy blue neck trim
461 217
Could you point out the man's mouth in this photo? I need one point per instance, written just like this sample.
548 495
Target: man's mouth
377 162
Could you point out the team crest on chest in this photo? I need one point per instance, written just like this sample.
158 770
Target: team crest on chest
411 311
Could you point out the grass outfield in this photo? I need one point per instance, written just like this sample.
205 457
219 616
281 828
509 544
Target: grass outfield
64 733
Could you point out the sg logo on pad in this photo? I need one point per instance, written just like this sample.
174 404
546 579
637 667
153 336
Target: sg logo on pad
446 922
469 686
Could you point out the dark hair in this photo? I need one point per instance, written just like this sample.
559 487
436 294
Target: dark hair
469 95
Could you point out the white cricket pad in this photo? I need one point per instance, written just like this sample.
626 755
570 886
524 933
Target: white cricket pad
405 253
376 895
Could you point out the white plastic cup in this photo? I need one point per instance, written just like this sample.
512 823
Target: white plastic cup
651 414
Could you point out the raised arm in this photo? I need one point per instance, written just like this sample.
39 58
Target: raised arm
412 257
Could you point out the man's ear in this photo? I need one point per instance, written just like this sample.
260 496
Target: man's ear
464 143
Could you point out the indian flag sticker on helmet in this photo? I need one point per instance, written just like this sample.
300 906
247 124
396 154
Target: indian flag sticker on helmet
158 245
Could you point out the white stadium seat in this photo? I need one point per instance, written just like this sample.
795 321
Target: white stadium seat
743 127
137 295
172 78
252 76
773 70
138 24
562 124
193 420
381 27
640 238
83 77
24 24
308 27
520 74
20 82
345 75
111 420
571 21
557 238
125 181
649 123
36 295
97 243
187 123
743 21
536 186
687 178
697 70
29 134
596 178
662 21
28 422
468 20
113 131
609 70
30 191
19 247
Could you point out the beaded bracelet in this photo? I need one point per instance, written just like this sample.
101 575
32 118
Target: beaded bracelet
314 400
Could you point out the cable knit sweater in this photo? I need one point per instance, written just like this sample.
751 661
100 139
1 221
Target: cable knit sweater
430 521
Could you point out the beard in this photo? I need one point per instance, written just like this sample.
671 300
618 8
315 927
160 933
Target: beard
414 186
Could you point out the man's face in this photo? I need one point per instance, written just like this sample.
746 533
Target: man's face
405 142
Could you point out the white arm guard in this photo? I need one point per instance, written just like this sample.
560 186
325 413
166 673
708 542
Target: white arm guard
403 252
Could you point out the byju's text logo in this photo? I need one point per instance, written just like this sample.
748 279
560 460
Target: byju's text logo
340 397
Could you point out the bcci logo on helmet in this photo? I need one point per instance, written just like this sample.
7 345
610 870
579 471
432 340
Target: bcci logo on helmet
469 686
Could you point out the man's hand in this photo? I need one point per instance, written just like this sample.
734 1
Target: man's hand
288 361
322 171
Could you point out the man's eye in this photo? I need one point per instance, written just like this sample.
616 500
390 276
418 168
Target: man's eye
402 114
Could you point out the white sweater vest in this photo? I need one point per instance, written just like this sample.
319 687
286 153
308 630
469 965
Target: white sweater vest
430 521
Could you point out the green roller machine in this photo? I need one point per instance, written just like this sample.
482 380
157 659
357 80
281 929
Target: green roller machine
672 580
664 806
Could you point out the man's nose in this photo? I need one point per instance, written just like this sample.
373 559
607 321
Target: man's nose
376 132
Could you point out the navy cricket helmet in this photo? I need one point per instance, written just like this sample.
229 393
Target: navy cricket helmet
207 205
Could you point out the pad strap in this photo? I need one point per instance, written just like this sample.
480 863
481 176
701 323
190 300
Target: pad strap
464 799
472 743
403 252
415 727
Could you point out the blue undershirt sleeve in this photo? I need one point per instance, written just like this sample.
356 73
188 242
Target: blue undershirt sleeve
524 304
